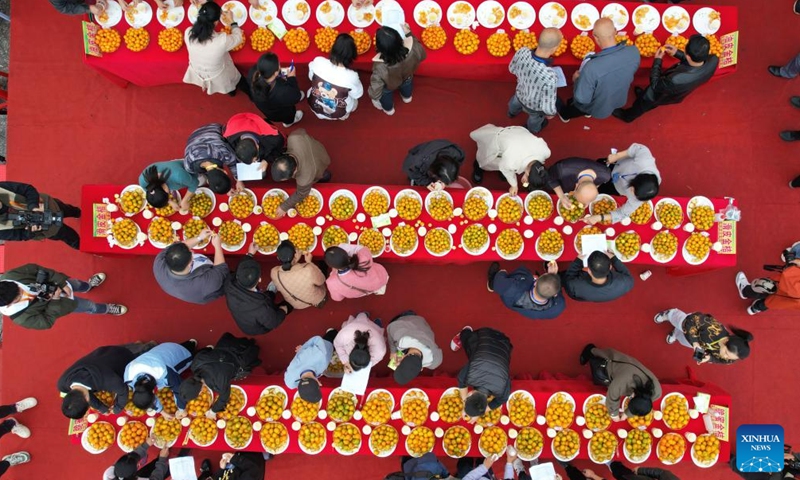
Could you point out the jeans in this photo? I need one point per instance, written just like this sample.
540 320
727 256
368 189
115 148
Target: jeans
676 318
569 110
84 305
791 69
536 119
387 102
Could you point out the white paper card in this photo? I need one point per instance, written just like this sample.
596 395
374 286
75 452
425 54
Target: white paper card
701 402
543 471
249 172
561 79
182 468
356 382
592 243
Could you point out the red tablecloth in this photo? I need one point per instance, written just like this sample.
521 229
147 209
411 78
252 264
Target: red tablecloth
434 387
94 194
153 66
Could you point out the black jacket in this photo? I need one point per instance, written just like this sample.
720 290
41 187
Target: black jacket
32 199
578 284
564 174
101 370
253 312
488 366
645 473
419 159
231 359
678 81
246 466
278 105
71 7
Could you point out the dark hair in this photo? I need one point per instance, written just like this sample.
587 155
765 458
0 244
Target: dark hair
156 196
640 405
178 256
337 258
190 389
246 149
476 403
207 17
444 168
8 292
218 181
74 404
599 264
283 167
360 357
344 50
698 48
389 44
548 285
285 254
739 342
266 67
645 186
143 396
127 466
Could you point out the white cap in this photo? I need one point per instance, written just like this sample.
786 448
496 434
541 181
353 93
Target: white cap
492 213
512 434
147 214
366 430
320 221
478 429
216 221
528 220
176 225
580 421
527 234
689 227
296 425
323 414
92 417
694 414
393 213
717 246
221 423
223 207
405 430
452 229
567 230
558 220
287 414
691 437
504 420
257 426
251 411
331 426
122 421
291 213
587 434
625 221
657 432
246 227
610 232
186 421
111 207
551 432
283 236
434 416
439 432
258 210
360 217
645 247
656 225
422 231
457 211
658 415
541 420
492 228
317 231
387 232
622 433
357 415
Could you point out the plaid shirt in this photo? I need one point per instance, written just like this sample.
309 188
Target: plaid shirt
536 82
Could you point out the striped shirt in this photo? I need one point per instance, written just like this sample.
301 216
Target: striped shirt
536 82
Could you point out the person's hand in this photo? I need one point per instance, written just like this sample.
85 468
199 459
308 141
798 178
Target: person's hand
227 19
489 461
161 5
279 213
174 204
36 228
704 360
67 290
591 219
184 206
198 3
167 415
696 345
239 186
210 414
151 439
576 75
180 414
164 452
216 240
525 178
347 367
406 28
297 348
292 72
552 267
510 458
660 53
361 3
471 420
565 202
97 8
57 294
252 249
264 165
610 254
308 257
254 3
557 477
225 460
205 233
622 417
513 191
671 50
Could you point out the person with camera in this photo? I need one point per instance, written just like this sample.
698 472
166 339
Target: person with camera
782 292
192 277
26 214
709 339
35 297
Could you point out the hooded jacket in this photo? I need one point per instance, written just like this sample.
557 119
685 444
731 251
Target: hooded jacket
231 359
101 370
488 367
419 159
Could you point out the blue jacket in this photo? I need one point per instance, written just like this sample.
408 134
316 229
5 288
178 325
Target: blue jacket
314 355
426 463
511 286
605 79
165 363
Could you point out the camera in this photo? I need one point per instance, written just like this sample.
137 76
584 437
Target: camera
699 354
788 256
27 218
41 288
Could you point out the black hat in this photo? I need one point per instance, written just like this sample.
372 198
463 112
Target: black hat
475 405
248 272
359 358
8 292
409 368
640 406
308 389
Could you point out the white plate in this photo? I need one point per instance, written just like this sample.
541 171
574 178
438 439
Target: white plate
446 251
325 246
361 17
650 20
114 13
549 258
85 442
159 244
119 439
390 10
517 199
416 394
468 447
483 193
586 10
265 14
482 250
678 13
527 396
512 256
658 258
565 459
526 458
314 193
638 460
485 453
384 243
386 453
228 442
550 15
261 250
340 392
523 19
321 448
460 20
360 443
173 16
538 193
235 248
381 390
282 447
296 395
144 199
670 462
192 13
334 17
600 461
244 394
703 24
135 242
142 15
673 394
346 193
652 212
594 395
691 259
417 454
272 390
406 254
438 193
697 201
169 444
622 258
273 191
211 195
674 202
403 193
601 196
381 190
698 462
292 15
617 13
487 16
238 9
570 399
313 245
428 13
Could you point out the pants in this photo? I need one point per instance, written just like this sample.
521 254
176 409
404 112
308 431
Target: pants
536 119
620 471
676 318
4 465
138 348
330 335
468 464
5 428
66 233
791 69
569 110
759 305
189 345
640 106
6 410
406 89
84 305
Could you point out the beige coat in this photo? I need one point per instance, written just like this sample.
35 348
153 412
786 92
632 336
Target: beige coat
302 286
508 150
210 64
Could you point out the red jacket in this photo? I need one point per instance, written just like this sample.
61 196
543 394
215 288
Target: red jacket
270 140
788 295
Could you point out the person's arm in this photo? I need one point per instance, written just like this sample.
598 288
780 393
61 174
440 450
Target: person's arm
655 73
626 210
30 193
513 67
219 257
299 194
377 346
161 469
357 89
462 378
499 400
174 383
656 473
233 39
391 341
477 473
224 395
550 97
616 390
40 321
574 270
118 387
584 88
620 267
508 471
294 93
70 8
17 235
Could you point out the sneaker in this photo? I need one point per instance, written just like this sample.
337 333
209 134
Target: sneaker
329 330
455 343
302 96
193 341
753 311
586 354
790 135
116 309
587 116
19 429
26 404
298 115
795 101
493 269
97 280
17 458
661 317
565 120
775 71
741 282
389 112
671 339
796 7
406 100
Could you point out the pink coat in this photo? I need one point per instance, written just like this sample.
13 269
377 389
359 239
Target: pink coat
344 343
357 284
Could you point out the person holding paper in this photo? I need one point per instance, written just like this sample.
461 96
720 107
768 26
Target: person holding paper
412 345
310 361
598 282
393 67
537 81
131 466
192 277
207 153
577 177
360 343
433 164
306 161
253 139
537 297
353 273
487 369
160 179
475 469
511 151
302 284
709 338
274 90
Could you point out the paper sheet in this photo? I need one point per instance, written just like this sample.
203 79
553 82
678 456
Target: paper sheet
182 468
561 79
592 243
249 172
356 382
544 471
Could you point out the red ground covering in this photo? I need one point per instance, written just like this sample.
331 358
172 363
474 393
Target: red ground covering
69 127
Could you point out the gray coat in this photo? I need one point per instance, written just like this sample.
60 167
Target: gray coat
203 285
626 373
605 79
416 328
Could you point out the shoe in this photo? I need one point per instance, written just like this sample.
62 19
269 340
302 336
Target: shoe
795 101
493 269
795 183
326 177
97 280
302 96
26 404
389 112
620 114
796 7
775 71
406 100
116 309
661 317
329 330
455 343
510 115
19 429
671 339
205 467
298 115
790 135
17 458
741 282
477 172
565 120
753 311
377 104
587 116
586 354
194 343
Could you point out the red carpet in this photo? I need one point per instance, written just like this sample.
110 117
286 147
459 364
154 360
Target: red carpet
69 126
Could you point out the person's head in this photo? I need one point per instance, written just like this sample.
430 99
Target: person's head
207 18
585 191
640 405
218 181
283 168
549 40
9 291
444 168
190 389
475 404
645 186
267 70
247 149
286 254
599 265
143 388
389 44
178 258
698 48
360 357
308 389
738 345
409 369
605 32
75 404
127 466
248 273
156 189
344 50
337 258
548 285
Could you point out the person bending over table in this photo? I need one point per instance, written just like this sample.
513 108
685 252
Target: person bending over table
537 82
160 179
207 153
158 368
598 282
335 87
360 343
512 151
353 273
578 177
537 297
620 472
210 64
309 363
486 372
240 466
192 277
253 139
306 161
21 198
302 285
434 164
393 67
80 7
425 467
233 358
274 90
133 466
624 376
708 338
412 346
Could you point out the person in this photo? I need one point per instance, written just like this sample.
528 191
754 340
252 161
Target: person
254 311
535 93
158 368
511 151
603 80
598 282
621 472
635 176
210 64
421 468
335 87
790 70
80 7
433 164
537 297
694 68
11 425
360 343
703 333
253 139
412 346
131 466
274 91
217 367
160 179
240 466
353 273
782 292
302 285
475 468
310 361
192 277
101 370
486 372
35 297
625 377
393 67
792 135
207 153
796 182
579 178
306 161
22 198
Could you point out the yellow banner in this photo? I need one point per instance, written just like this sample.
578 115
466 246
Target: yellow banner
726 235
730 49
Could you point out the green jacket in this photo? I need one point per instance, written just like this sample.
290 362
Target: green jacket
40 314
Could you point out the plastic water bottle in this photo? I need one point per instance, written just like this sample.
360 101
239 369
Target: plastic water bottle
730 212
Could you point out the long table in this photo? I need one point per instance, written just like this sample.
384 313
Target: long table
153 66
